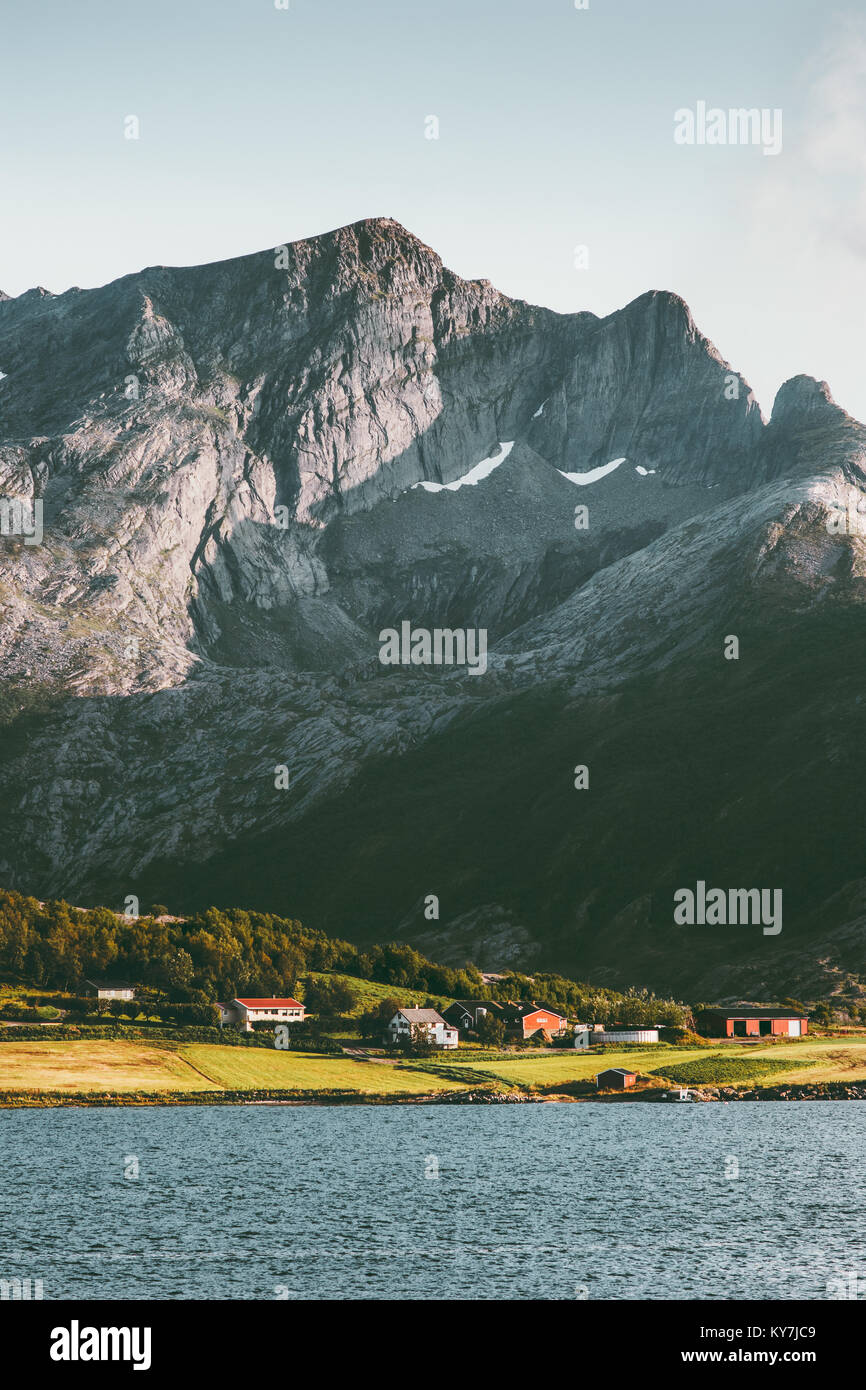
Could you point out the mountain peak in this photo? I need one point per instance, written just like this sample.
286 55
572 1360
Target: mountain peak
385 235
37 292
801 397
229 457
385 225
666 303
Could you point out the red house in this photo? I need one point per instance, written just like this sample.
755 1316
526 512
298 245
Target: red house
615 1079
740 1022
527 1019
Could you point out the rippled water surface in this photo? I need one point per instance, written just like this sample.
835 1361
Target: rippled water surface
536 1201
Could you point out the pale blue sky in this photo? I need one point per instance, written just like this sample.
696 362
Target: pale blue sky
261 125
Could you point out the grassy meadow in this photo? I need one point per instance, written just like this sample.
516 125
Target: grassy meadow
103 1066
370 993
815 1060
100 1066
95 1066
240 1069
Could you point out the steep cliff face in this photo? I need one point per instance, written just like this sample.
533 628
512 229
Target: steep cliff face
247 470
646 384
192 432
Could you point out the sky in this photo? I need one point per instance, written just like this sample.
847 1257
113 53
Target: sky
258 125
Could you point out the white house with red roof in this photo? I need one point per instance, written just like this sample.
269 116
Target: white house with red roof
411 1022
246 1012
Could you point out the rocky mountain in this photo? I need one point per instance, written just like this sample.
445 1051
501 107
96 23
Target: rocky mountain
246 471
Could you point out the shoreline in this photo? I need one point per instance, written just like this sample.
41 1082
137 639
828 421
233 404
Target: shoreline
803 1093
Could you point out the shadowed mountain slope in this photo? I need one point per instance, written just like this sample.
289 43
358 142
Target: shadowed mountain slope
248 470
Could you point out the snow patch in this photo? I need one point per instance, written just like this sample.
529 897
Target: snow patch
540 410
644 472
481 470
594 474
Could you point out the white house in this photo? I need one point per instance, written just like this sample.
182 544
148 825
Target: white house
246 1012
439 1033
109 989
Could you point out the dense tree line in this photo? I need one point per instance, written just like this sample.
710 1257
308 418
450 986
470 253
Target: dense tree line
221 953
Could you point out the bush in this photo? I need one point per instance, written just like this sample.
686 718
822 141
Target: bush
206 1015
330 998
682 1037
373 1025
823 1015
490 1029
227 1037
78 1008
20 1012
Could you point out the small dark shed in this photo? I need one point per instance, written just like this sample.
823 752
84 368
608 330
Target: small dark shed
615 1078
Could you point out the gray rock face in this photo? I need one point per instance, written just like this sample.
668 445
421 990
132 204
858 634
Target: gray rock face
247 470
192 432
646 384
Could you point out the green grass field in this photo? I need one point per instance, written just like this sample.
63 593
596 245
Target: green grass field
239 1069
10 992
813 1060
560 1068
95 1066
730 1071
105 1066
370 993
100 1066
835 1059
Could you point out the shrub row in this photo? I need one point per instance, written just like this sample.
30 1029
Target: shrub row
71 1032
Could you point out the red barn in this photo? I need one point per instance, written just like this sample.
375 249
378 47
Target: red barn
615 1078
740 1022
533 1018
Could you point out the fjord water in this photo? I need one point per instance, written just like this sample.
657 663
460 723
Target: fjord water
621 1201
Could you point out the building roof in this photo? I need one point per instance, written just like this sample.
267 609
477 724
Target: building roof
463 1010
471 1005
524 1010
618 1071
737 1012
479 1003
110 984
269 1003
422 1015
630 1028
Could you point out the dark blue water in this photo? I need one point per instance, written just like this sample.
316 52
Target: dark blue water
535 1201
